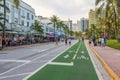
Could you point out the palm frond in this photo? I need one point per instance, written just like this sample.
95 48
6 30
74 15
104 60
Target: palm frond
98 11
98 2
17 3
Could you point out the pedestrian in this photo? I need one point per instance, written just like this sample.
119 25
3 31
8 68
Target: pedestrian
99 42
90 41
20 40
3 42
65 41
56 40
9 42
105 40
102 42
94 41
83 38
69 40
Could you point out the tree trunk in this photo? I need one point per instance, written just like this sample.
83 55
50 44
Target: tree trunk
115 27
3 28
3 35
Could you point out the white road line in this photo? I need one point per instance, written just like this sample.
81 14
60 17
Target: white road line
40 61
6 60
24 64
45 64
37 50
59 63
15 75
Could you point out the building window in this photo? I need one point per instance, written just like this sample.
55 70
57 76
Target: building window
46 29
27 24
22 23
32 17
28 16
16 20
7 17
23 14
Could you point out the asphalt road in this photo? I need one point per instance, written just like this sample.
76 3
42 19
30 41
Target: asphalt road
19 63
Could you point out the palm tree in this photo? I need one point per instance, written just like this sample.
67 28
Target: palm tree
1 18
1 15
77 34
54 20
38 27
113 6
60 25
66 30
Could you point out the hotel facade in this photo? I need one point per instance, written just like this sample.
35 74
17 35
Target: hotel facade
19 19
92 17
19 24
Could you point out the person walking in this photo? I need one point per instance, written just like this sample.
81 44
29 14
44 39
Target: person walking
69 40
65 41
56 40
3 42
102 42
99 41
90 40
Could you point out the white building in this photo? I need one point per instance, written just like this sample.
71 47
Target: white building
92 17
69 24
21 18
76 28
79 25
47 26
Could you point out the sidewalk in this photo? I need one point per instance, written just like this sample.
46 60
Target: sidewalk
110 56
24 46
32 45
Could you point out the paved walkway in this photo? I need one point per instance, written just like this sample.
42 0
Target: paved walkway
25 46
110 56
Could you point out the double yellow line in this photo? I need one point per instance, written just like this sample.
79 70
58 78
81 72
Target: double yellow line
112 74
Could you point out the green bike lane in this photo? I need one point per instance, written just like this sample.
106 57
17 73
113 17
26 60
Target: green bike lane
73 64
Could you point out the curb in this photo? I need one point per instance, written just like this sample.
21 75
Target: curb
112 74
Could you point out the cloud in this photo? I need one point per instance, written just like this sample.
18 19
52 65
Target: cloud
74 9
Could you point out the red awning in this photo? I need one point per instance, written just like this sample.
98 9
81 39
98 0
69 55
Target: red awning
50 35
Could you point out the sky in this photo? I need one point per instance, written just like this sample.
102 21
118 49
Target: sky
64 9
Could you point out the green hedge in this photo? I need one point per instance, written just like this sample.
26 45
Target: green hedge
113 44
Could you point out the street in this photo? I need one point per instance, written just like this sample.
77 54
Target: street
19 63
